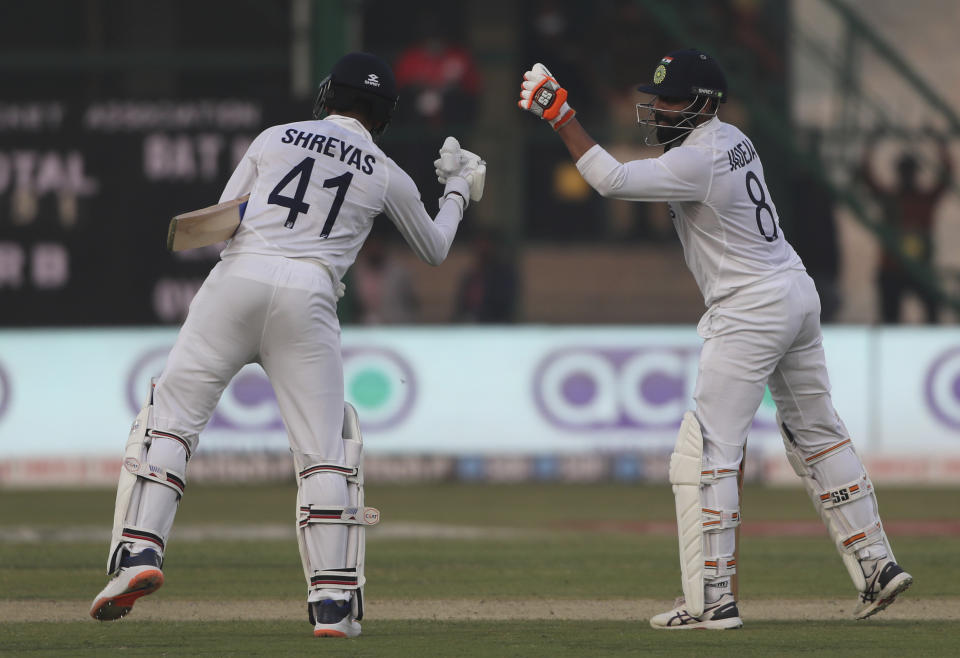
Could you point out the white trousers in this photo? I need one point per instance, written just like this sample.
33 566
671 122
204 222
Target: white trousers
280 313
768 334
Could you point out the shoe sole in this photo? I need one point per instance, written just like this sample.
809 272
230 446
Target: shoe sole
326 632
111 608
344 629
900 584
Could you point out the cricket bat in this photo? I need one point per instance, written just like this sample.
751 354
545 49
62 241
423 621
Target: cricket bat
206 226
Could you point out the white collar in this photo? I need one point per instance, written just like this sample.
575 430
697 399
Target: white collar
704 128
350 124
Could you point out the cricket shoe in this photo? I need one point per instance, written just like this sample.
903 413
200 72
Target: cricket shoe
139 575
721 615
883 584
333 619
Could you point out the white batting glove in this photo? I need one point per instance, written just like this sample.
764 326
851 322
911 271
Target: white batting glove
475 171
541 94
448 164
457 162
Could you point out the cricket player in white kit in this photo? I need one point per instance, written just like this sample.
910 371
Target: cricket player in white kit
315 188
761 328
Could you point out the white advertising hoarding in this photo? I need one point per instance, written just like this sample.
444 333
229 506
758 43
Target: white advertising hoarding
476 391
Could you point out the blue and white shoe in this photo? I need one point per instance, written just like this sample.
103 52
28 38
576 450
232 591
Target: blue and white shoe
139 575
721 615
333 619
885 581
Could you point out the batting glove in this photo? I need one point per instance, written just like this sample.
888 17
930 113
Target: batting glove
541 94
456 162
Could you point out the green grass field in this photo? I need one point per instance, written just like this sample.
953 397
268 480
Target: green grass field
470 570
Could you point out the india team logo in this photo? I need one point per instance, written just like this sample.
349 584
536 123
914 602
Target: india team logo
659 74
943 388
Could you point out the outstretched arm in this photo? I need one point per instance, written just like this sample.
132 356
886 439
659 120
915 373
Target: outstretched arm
679 177
462 173
576 139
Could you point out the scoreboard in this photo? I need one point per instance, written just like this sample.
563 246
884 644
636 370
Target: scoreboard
87 189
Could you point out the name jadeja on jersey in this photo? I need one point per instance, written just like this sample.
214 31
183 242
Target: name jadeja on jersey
741 155
331 147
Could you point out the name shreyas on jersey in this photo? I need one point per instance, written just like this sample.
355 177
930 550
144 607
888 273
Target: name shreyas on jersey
741 155
332 147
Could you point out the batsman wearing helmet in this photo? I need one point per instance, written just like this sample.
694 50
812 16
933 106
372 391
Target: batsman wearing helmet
761 328
314 190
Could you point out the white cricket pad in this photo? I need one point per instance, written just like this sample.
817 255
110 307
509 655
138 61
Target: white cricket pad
134 472
833 501
355 515
685 469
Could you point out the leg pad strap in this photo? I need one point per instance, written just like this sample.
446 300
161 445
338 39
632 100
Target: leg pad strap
861 538
847 493
335 578
715 520
718 567
337 514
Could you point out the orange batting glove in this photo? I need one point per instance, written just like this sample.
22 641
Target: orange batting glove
541 94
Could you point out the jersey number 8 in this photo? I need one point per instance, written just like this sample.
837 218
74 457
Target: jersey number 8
761 205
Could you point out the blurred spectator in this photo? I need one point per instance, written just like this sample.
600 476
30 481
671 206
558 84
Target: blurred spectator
908 211
437 77
752 30
382 286
488 289
554 38
615 50
814 228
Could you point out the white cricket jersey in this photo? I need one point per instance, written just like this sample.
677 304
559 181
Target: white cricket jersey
315 188
713 183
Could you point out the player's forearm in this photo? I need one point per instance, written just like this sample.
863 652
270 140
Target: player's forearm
430 239
644 180
576 139
431 242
